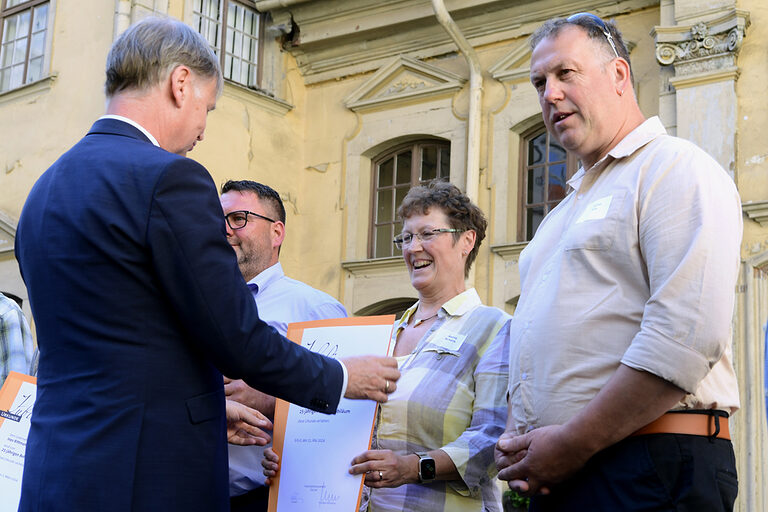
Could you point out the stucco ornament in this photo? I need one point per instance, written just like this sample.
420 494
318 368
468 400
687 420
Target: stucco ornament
702 41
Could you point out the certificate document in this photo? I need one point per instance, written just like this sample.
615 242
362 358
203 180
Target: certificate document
17 397
316 450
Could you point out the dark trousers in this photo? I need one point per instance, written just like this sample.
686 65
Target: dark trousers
657 472
256 500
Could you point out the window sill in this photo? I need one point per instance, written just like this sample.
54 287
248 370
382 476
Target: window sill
374 266
22 91
509 251
256 97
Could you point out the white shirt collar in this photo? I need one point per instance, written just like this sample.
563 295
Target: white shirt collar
133 123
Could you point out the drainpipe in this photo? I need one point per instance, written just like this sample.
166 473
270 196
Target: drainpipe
475 97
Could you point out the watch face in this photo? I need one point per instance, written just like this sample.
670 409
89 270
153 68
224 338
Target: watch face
428 469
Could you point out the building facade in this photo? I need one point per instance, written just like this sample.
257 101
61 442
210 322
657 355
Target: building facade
341 106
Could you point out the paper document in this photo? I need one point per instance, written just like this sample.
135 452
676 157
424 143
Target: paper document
17 397
316 449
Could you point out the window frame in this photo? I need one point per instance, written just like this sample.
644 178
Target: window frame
416 147
571 166
222 53
6 12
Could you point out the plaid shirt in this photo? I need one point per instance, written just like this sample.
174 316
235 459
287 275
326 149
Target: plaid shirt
451 396
16 343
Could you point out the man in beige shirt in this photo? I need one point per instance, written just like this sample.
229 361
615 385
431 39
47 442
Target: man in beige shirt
626 302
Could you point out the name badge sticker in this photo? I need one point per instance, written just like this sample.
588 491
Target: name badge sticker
596 210
449 340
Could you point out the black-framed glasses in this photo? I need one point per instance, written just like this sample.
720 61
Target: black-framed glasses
238 219
600 23
405 239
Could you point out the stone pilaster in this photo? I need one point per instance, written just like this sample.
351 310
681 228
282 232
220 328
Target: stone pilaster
703 54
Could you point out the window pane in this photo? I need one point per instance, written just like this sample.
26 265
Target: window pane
12 3
38 42
17 75
537 149
235 69
9 28
20 50
404 167
227 71
40 21
535 185
556 152
383 241
384 206
23 28
428 163
7 55
35 69
534 217
445 163
557 186
385 173
400 193
5 80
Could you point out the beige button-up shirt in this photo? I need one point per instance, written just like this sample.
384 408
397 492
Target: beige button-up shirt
638 265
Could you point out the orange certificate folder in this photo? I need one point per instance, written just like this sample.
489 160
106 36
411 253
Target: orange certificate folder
17 397
316 449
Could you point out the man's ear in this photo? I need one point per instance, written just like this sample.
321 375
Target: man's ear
622 75
181 83
278 233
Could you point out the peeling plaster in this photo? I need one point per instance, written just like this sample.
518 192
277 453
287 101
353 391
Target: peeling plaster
757 159
12 167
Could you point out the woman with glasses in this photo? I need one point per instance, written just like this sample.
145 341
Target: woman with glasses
434 438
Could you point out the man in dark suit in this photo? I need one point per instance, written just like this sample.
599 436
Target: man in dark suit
140 304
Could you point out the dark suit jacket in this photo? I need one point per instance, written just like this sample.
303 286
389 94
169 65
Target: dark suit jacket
139 305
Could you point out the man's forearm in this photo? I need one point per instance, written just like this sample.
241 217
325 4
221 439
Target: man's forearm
630 400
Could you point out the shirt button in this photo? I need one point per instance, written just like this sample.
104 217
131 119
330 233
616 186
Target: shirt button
524 376
439 356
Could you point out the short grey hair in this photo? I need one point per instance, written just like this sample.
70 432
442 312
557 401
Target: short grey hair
594 31
149 50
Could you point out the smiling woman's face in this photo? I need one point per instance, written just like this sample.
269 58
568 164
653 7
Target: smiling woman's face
436 265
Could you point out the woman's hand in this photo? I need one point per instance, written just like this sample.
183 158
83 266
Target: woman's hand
244 425
271 464
384 468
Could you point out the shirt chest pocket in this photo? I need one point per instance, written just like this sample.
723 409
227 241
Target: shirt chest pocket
595 227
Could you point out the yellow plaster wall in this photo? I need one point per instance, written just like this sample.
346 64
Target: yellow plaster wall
39 127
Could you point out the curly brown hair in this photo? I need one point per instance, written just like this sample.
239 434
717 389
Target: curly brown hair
460 211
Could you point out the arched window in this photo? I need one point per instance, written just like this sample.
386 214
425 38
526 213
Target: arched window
545 168
394 173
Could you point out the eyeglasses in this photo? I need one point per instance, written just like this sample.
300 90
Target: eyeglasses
600 23
405 239
238 219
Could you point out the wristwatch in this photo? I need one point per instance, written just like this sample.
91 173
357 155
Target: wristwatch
426 468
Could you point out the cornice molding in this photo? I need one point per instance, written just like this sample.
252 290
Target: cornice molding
7 232
403 79
757 211
257 98
338 39
374 266
702 47
509 251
